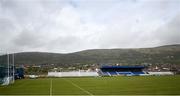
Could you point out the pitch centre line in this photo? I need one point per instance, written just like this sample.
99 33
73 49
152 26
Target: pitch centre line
79 87
50 89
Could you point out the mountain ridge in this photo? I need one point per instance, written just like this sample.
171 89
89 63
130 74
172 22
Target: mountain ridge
169 54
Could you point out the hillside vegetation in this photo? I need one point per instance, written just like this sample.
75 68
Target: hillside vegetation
169 54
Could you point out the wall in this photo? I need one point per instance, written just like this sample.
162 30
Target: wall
72 74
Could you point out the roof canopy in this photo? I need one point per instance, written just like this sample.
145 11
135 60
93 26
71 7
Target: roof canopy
122 67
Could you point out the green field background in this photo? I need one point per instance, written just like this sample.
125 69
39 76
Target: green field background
121 85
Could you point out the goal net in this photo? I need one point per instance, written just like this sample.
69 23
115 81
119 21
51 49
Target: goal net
6 68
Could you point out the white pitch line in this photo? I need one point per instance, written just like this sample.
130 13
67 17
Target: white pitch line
79 87
50 89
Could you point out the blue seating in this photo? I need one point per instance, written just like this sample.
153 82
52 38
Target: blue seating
124 73
122 70
113 73
105 73
137 73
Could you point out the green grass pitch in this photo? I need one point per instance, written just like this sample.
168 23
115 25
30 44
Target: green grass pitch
122 85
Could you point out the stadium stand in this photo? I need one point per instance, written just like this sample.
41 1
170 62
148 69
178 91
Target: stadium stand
19 73
121 70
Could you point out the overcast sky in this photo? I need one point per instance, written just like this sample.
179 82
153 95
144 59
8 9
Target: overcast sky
64 26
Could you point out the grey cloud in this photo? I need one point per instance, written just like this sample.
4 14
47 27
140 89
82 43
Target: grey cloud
7 32
28 39
6 26
170 32
65 44
56 25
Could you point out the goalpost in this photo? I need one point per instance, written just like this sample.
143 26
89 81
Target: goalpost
7 68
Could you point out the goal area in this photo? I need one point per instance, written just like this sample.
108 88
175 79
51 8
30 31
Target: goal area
6 68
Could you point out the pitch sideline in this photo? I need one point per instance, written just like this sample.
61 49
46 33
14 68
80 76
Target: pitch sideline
79 87
50 89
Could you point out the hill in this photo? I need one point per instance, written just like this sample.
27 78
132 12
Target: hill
169 54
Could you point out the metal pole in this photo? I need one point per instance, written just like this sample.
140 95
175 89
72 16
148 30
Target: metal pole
8 66
13 66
